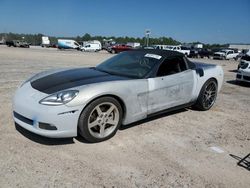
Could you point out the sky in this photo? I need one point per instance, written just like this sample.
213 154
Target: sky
207 21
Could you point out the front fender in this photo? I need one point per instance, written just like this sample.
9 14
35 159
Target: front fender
133 93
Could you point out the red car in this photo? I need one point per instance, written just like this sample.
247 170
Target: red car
119 48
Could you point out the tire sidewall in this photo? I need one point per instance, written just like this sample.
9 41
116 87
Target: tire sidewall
200 102
83 119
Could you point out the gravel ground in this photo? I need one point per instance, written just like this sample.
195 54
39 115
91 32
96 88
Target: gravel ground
171 150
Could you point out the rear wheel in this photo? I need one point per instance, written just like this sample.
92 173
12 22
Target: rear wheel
207 95
100 120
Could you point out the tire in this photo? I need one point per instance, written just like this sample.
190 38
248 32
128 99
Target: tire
94 120
207 96
113 51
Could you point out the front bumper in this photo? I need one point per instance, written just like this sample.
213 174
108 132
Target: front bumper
219 57
49 121
243 76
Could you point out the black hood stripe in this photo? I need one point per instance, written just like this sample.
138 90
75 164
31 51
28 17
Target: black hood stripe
72 78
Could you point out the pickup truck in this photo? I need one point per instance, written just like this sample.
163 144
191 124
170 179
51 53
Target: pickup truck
200 53
17 43
180 49
226 54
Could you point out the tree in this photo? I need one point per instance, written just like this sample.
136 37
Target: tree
86 37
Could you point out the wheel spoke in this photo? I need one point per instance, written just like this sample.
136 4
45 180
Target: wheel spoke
102 130
93 124
99 111
212 87
111 122
108 112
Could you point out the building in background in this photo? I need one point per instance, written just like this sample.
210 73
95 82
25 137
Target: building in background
239 47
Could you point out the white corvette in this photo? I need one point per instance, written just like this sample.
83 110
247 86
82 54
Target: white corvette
125 88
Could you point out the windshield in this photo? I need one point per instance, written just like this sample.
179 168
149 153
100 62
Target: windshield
131 64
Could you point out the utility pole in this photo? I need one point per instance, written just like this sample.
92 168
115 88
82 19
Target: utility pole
147 33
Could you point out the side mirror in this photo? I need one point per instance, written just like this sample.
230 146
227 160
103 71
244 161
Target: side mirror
200 71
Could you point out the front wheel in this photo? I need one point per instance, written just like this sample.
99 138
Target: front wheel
207 95
100 120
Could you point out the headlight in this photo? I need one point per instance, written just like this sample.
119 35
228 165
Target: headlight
59 98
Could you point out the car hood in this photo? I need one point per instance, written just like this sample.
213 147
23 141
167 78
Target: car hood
71 78
220 53
247 70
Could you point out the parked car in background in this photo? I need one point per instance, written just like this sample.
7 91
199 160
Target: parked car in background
68 44
226 54
244 69
161 46
107 44
91 47
200 53
242 53
10 43
18 43
119 48
134 44
181 49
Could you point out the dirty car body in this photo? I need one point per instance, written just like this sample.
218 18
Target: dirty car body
143 82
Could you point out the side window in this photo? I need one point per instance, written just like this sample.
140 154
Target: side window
230 52
171 66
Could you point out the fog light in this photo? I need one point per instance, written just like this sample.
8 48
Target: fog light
47 126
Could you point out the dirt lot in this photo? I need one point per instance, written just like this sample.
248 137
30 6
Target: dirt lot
171 150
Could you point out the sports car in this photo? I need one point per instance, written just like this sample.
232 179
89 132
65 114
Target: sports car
126 88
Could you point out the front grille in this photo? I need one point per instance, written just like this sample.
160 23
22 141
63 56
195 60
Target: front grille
246 78
23 119
238 76
216 55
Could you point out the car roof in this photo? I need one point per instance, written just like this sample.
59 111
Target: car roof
163 53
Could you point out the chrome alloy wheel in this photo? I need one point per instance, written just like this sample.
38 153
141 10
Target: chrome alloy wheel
209 95
103 120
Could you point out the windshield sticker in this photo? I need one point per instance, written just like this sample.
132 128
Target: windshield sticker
153 56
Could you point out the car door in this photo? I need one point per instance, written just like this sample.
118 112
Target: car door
229 55
172 86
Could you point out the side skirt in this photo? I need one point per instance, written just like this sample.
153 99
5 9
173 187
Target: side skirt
172 109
